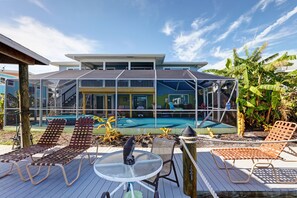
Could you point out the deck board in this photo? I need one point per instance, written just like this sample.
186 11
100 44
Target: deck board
90 185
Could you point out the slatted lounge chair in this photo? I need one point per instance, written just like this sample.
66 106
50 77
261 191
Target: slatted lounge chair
48 140
281 131
80 141
164 148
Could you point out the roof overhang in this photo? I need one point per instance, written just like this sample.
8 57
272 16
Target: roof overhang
12 52
182 64
65 63
159 58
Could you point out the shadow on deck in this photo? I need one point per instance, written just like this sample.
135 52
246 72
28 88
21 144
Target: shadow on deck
89 184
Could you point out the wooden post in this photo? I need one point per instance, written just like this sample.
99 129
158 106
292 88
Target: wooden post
105 105
24 104
189 171
130 99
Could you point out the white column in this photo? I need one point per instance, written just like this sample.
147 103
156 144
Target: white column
77 98
129 65
40 104
219 101
196 103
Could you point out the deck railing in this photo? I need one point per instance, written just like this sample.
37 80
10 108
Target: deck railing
193 140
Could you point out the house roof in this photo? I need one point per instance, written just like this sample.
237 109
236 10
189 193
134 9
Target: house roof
65 63
182 64
129 75
171 78
95 57
13 53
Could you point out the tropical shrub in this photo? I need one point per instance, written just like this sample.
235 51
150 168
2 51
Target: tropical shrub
111 133
1 111
165 133
266 94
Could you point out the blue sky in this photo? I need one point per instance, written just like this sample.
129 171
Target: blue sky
189 30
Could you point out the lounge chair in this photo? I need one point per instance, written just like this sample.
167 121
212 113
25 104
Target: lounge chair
164 148
281 131
48 140
81 140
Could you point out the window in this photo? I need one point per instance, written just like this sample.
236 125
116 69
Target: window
142 65
72 68
176 68
178 99
139 102
2 80
91 83
116 65
10 83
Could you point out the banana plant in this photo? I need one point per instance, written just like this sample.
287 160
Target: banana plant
263 89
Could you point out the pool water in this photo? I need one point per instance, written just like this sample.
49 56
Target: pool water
150 122
166 122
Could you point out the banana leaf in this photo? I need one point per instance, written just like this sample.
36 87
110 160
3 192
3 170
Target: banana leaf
256 91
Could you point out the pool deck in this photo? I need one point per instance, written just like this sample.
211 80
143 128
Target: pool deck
90 185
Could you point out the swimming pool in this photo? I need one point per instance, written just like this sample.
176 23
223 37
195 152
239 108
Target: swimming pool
149 122
166 122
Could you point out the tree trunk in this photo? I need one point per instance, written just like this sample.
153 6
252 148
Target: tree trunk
268 115
24 104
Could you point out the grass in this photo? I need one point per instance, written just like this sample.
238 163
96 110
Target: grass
9 132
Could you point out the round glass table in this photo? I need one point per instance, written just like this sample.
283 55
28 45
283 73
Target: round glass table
111 167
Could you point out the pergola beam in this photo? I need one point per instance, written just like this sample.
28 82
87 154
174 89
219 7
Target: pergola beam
13 53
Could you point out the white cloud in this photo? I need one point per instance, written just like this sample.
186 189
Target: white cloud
169 28
44 40
187 47
222 54
263 35
244 18
279 2
218 65
140 4
234 26
197 23
40 4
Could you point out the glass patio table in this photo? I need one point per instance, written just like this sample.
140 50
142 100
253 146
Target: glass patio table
111 167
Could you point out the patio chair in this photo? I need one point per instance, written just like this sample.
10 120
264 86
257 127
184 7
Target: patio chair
48 140
281 131
164 148
80 141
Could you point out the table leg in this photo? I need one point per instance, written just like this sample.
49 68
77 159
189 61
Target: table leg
125 187
131 189
117 188
150 189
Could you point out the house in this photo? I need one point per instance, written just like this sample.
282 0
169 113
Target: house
7 74
134 86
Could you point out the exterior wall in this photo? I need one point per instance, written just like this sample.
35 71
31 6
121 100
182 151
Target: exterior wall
163 94
4 76
65 67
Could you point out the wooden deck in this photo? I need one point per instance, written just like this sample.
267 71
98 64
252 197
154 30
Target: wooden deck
90 185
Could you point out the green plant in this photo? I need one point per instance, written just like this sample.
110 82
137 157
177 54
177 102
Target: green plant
1 111
111 134
165 133
210 132
264 91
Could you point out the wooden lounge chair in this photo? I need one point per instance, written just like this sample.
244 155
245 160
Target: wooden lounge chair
164 148
281 131
48 140
80 141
